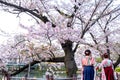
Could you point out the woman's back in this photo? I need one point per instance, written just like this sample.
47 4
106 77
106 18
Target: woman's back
88 66
88 60
106 63
107 68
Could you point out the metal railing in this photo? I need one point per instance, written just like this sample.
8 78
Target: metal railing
6 76
50 78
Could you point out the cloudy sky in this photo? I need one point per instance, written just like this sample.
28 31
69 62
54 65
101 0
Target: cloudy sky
9 24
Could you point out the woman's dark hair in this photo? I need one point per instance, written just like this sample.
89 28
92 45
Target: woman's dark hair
87 52
105 55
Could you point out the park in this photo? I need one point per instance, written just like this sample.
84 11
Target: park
41 39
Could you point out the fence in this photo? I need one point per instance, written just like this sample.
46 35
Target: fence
47 78
6 76
23 78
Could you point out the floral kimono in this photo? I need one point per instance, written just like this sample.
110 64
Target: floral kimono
107 72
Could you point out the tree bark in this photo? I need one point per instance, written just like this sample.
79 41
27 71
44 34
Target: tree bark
70 65
117 62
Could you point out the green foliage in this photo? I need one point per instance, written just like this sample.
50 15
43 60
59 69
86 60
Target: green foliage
98 60
117 69
62 68
99 70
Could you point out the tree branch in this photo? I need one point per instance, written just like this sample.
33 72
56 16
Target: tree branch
58 59
40 16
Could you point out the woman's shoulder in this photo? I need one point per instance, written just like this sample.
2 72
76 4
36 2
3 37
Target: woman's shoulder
83 58
107 61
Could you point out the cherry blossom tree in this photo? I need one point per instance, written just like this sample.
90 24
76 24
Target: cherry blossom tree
108 38
67 22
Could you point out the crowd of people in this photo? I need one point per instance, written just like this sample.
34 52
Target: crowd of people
89 67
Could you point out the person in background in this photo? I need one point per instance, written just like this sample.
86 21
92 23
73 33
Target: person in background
88 66
106 65
49 75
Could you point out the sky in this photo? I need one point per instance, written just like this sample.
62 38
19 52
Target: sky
9 23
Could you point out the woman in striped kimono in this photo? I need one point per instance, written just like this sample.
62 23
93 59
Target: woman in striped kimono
88 66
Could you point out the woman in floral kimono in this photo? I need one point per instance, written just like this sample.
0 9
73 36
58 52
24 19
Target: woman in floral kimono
107 68
88 66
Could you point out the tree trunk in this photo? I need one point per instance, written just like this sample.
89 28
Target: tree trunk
70 65
117 62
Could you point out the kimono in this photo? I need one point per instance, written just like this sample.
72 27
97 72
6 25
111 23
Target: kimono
88 68
107 72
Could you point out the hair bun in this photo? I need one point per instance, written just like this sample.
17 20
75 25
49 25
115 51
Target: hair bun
105 55
87 52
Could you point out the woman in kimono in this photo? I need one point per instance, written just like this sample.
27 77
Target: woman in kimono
107 68
88 66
